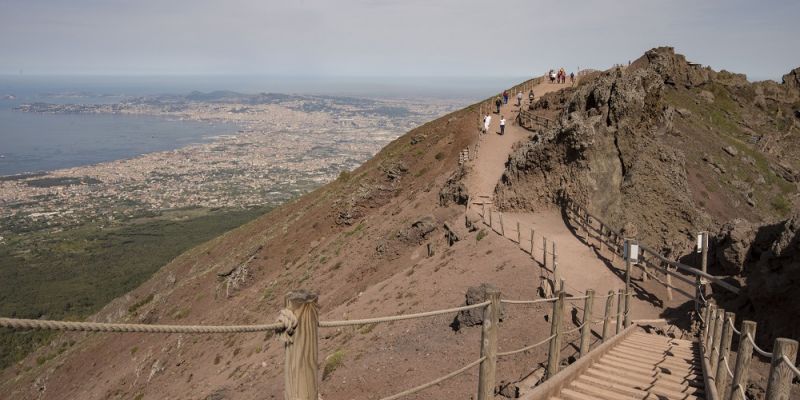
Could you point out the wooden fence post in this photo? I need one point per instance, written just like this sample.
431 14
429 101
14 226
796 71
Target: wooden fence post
627 286
491 225
602 229
779 384
554 353
743 356
718 323
488 369
587 322
519 235
700 289
620 302
544 254
643 263
712 322
532 246
668 278
721 379
302 348
607 316
555 256
502 227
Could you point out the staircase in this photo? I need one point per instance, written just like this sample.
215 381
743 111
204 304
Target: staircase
636 366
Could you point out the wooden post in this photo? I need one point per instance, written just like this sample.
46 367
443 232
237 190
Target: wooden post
554 354
488 370
555 256
743 356
602 229
607 316
668 278
587 322
700 289
627 287
712 322
724 349
779 384
718 322
532 246
519 235
502 227
302 348
544 254
490 219
620 302
484 212
643 263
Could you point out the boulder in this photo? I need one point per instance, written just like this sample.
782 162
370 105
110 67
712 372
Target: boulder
733 246
475 295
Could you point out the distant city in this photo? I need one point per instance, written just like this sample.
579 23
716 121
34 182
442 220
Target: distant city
284 146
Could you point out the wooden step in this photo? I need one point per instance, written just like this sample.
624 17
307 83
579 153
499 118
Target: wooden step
639 392
600 392
659 350
642 383
666 379
660 339
653 358
666 363
668 347
680 379
613 367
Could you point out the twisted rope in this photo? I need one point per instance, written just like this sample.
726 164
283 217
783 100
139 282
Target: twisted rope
576 298
526 348
435 381
575 329
756 348
15 323
727 367
741 392
791 365
333 324
730 322
528 301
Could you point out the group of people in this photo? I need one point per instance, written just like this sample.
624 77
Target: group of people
561 76
487 120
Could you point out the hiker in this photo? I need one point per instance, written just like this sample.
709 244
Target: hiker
530 96
505 97
502 125
498 103
552 76
486 121
572 78
519 98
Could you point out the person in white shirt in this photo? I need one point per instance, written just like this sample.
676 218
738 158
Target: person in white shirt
486 121
519 99
502 125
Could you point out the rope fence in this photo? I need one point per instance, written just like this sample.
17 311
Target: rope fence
436 381
368 321
25 324
526 348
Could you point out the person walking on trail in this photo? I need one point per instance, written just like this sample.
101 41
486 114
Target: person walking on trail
498 103
519 99
486 121
505 97
572 78
502 125
552 76
530 96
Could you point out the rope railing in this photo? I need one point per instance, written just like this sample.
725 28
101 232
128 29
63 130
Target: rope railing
15 323
367 321
526 348
758 350
548 300
435 381
791 365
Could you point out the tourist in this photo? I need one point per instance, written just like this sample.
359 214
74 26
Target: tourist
552 76
530 96
486 121
505 97
502 125
519 98
572 78
498 103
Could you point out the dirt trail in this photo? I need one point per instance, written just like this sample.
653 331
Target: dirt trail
579 264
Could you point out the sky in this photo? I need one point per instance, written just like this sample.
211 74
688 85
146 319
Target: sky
389 37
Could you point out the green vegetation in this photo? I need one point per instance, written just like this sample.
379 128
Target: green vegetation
482 234
72 274
332 362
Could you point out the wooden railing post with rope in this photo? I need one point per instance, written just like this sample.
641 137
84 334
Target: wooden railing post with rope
586 331
554 353
488 369
301 347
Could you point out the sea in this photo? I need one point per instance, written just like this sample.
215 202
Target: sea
37 142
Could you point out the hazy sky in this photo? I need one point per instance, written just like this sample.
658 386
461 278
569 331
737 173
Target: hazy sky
389 37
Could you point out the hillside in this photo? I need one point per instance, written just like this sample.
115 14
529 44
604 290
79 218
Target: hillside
669 148
360 242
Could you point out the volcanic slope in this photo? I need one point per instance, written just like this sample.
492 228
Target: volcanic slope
360 242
